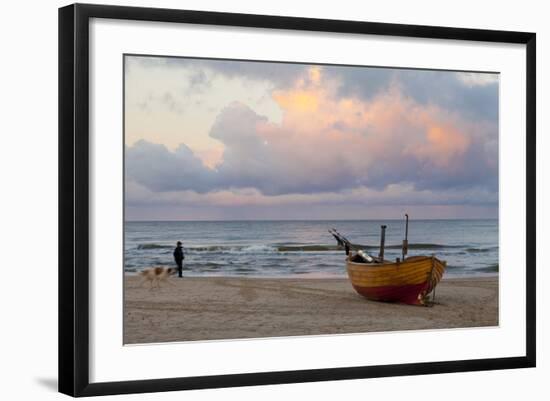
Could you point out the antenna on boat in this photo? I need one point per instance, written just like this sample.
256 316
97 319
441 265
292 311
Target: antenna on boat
406 241
341 240
382 243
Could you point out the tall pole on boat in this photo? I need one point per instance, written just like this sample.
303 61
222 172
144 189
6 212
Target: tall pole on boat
382 243
406 241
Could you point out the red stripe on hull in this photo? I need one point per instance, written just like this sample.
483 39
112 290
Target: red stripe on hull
407 294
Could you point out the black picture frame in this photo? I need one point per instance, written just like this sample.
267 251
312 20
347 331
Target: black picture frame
74 198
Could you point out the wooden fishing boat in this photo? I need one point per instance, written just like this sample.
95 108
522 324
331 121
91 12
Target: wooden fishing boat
407 280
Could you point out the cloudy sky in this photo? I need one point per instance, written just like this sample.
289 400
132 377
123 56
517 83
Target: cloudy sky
219 139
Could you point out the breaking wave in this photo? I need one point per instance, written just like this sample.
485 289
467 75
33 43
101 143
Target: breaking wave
482 250
153 246
490 269
298 248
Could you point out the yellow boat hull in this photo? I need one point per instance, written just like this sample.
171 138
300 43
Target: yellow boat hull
409 281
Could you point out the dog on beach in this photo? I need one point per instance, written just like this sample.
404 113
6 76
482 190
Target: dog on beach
155 275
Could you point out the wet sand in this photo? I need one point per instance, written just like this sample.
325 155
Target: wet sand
212 308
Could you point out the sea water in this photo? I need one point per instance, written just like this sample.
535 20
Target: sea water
305 248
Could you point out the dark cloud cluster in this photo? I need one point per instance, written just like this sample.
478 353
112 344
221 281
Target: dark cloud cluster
442 88
158 169
281 74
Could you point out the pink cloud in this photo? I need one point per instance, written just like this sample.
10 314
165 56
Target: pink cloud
322 133
328 143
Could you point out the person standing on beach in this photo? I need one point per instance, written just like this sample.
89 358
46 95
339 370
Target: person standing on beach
178 257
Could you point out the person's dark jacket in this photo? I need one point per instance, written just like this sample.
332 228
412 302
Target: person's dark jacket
178 254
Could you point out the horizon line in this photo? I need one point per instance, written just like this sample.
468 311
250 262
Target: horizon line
253 220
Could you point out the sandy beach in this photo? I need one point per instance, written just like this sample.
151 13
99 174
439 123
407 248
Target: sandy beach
228 308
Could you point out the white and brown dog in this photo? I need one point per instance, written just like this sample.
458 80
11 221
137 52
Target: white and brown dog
157 274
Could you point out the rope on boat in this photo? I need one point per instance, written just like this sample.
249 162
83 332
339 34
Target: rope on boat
432 279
